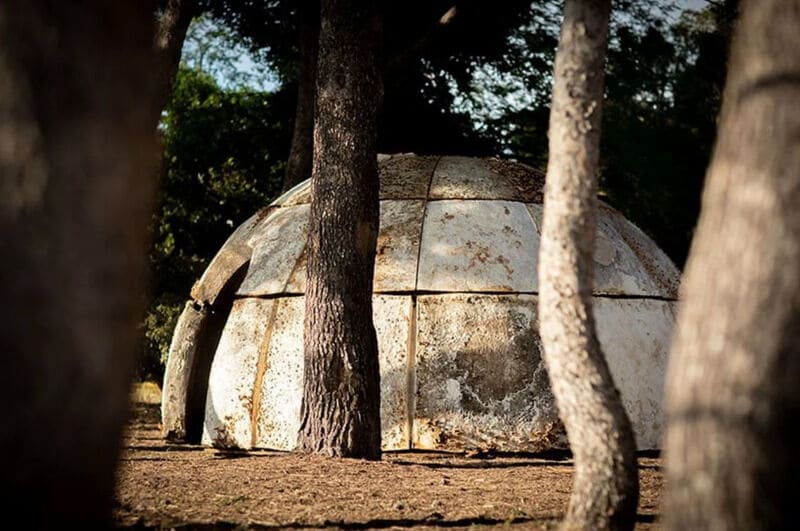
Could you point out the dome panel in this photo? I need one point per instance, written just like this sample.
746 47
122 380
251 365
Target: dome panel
276 251
489 246
177 374
397 250
406 176
459 370
279 378
472 389
300 194
234 254
665 276
393 319
470 178
626 261
536 211
617 270
635 335
527 182
230 387
269 357
296 284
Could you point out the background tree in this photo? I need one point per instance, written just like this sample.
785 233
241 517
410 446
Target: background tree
663 85
222 161
213 135
605 488
77 155
733 399
172 22
299 164
424 58
340 411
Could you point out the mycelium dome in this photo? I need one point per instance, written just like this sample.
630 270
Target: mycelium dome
455 298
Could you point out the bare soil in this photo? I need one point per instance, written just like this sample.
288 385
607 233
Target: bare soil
166 486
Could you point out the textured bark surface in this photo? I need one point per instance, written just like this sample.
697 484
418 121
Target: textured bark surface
605 488
77 156
172 21
298 166
341 396
733 394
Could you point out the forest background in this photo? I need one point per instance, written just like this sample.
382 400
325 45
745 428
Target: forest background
479 85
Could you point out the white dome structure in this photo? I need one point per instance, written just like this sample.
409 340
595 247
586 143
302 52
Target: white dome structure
455 310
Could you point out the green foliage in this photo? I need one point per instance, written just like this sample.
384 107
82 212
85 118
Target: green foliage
224 153
479 85
663 93
158 326
424 61
662 99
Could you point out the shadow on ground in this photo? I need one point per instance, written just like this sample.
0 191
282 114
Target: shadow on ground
189 487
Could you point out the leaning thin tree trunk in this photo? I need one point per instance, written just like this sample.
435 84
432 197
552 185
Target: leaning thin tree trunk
605 488
77 157
298 166
341 395
172 21
734 378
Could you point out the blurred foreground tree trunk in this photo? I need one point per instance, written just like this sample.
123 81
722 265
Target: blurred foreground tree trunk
605 489
298 166
77 157
341 396
734 379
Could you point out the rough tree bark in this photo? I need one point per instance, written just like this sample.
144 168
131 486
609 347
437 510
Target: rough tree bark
605 489
341 395
733 395
298 166
172 21
77 157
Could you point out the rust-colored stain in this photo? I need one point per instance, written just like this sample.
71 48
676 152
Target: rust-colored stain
406 176
503 261
527 182
261 369
263 213
297 280
299 195
223 437
478 245
411 371
398 243
440 436
275 250
654 261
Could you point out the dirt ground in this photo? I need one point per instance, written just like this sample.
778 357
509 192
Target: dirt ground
166 486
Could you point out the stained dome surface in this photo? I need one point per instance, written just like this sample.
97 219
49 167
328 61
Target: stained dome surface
455 309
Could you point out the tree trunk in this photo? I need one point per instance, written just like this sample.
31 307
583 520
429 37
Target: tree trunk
77 157
341 395
733 395
605 488
172 21
298 166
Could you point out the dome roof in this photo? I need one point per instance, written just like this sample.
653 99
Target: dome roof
455 312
